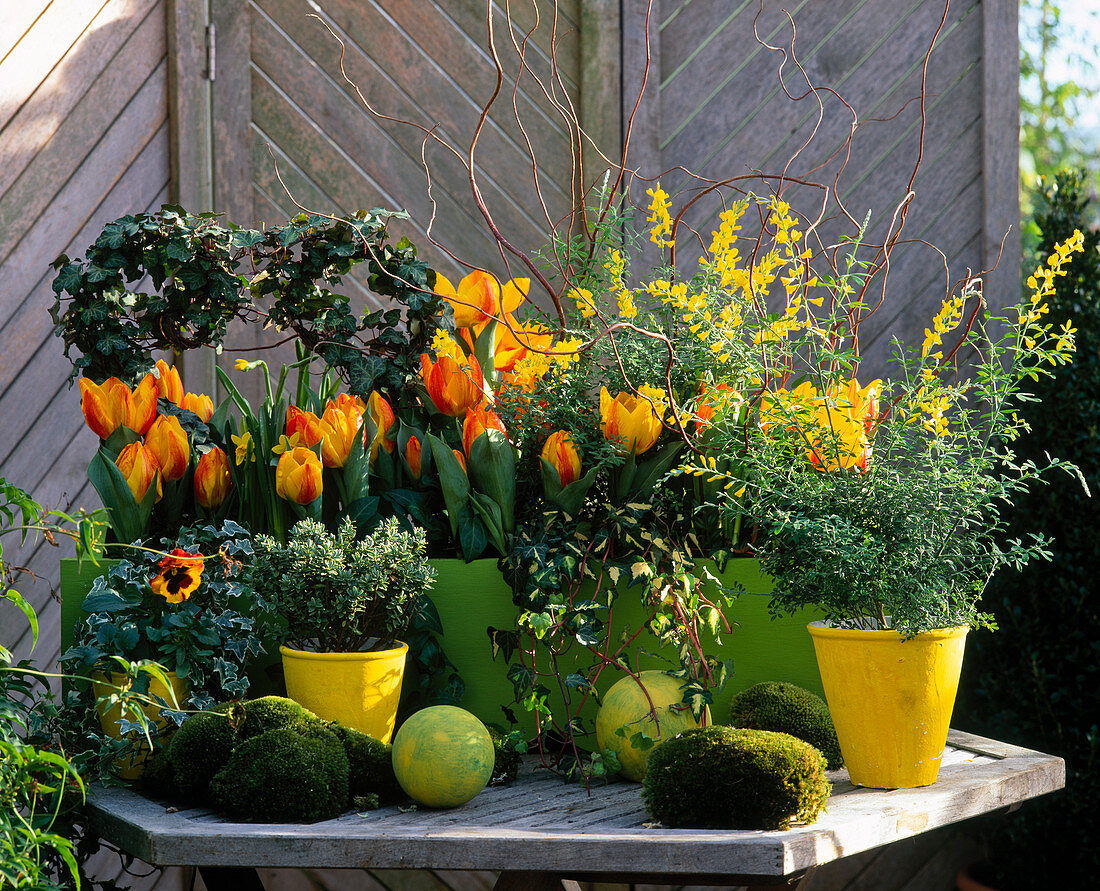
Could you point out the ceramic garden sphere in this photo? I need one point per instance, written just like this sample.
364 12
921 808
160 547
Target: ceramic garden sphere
443 756
626 706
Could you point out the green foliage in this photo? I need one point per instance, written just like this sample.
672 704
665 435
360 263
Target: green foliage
1037 681
729 778
209 638
370 767
510 748
284 776
199 749
336 592
195 263
786 708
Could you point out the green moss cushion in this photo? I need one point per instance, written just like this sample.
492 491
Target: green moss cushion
200 748
274 713
370 766
731 778
284 776
785 708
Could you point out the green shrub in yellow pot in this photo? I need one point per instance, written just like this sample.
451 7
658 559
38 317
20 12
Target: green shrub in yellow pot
341 604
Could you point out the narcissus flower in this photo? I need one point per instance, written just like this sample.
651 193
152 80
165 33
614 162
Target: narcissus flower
561 453
169 385
298 476
212 478
632 422
452 386
140 469
167 442
479 297
199 404
245 450
413 456
477 421
305 424
180 576
339 426
381 412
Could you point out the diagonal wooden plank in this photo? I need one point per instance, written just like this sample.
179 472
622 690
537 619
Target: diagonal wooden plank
16 19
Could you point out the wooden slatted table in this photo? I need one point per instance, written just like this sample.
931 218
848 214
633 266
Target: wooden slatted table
540 826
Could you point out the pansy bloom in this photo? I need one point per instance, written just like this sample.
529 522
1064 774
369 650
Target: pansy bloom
180 576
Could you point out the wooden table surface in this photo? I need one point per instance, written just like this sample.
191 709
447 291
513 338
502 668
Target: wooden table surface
539 824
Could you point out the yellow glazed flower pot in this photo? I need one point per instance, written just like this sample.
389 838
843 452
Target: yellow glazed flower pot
132 767
358 690
891 700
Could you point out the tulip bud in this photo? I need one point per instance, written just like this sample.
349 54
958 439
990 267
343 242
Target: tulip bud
167 442
305 423
105 405
142 406
169 385
298 476
212 478
478 420
451 386
632 422
413 455
339 425
199 404
140 469
461 458
381 412
561 453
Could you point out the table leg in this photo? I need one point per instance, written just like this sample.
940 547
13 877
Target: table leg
230 878
533 881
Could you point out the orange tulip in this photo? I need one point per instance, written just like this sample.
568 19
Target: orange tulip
298 476
344 402
453 388
381 412
839 436
512 343
169 385
167 442
212 478
140 469
479 297
561 453
719 398
477 421
104 405
199 404
339 426
305 423
142 408
413 455
630 421
461 458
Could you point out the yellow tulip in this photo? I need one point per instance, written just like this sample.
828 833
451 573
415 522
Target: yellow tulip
169 385
632 422
140 469
104 405
339 426
212 478
298 476
479 298
167 442
199 404
561 453
381 412
142 407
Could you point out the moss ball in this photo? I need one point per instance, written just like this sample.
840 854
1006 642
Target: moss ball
785 708
284 776
275 713
731 778
370 766
201 747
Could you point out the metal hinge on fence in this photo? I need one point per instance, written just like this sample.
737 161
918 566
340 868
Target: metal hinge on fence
211 51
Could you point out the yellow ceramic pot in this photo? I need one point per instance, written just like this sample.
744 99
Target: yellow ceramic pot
891 700
358 690
131 767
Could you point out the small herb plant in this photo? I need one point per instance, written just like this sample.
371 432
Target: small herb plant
185 606
336 593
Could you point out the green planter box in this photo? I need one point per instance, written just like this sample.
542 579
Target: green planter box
471 597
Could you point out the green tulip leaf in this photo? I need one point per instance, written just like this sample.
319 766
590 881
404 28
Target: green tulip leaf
452 479
493 472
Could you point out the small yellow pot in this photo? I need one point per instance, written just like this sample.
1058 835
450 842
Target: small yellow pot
358 690
132 767
891 700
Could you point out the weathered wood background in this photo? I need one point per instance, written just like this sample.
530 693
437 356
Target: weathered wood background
108 107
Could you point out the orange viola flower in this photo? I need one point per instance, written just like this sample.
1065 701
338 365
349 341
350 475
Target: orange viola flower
339 426
305 423
140 469
562 454
477 421
452 387
298 476
381 412
180 575
167 442
199 404
413 456
212 478
169 385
